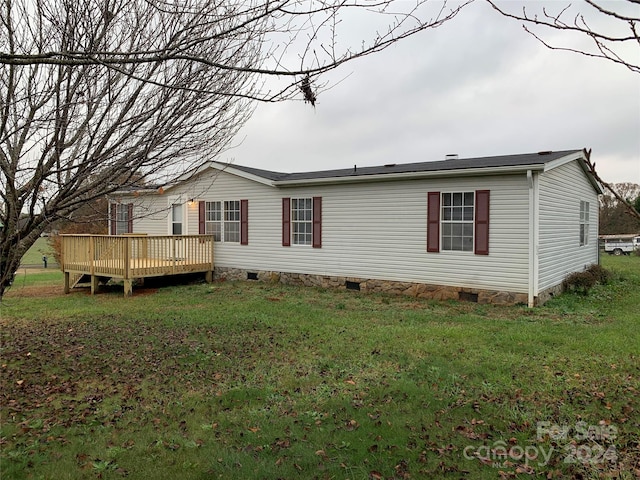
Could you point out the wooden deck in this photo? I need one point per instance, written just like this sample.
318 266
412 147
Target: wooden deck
130 257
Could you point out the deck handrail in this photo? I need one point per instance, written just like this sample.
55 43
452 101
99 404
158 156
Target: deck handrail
132 256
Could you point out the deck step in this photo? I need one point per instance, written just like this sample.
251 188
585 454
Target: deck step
79 278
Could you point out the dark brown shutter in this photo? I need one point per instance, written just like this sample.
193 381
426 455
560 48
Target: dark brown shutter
286 222
317 222
482 223
201 219
130 218
114 218
244 222
433 222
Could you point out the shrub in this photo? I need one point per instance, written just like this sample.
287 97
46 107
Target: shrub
582 282
601 274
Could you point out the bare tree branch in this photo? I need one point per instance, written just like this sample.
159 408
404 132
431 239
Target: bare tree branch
95 96
612 32
592 168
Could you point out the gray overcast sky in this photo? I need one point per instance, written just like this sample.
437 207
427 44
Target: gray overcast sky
479 85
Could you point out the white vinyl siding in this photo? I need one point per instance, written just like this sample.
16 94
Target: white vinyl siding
561 191
150 213
365 234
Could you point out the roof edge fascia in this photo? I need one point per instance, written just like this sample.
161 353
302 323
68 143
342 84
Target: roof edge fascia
382 177
132 193
226 167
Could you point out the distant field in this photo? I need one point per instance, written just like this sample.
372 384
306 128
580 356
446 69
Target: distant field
35 253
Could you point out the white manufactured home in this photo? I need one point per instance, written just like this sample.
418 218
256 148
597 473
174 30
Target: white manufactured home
504 229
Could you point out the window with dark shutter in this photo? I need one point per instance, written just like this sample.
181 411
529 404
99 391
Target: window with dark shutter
482 223
201 218
114 218
317 222
286 222
130 218
244 222
433 222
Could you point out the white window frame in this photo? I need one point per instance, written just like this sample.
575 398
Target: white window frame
213 220
584 223
177 222
122 218
302 221
457 221
231 215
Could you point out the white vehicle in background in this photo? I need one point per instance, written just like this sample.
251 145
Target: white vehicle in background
621 244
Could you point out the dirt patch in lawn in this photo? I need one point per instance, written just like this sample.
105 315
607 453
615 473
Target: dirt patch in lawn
41 291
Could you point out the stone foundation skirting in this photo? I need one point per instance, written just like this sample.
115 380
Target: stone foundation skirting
548 294
418 290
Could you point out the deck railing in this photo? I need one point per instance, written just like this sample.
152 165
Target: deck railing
136 256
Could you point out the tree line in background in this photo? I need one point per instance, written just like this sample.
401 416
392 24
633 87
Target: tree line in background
615 216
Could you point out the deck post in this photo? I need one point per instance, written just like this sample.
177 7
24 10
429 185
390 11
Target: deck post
127 259
66 282
92 258
173 255
208 276
128 287
94 284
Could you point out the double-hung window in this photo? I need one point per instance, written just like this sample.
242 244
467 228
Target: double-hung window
232 221
213 220
302 220
121 218
176 219
584 222
226 220
457 221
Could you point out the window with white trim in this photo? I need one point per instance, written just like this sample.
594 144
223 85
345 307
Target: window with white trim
122 218
232 221
584 222
302 221
176 219
457 221
213 220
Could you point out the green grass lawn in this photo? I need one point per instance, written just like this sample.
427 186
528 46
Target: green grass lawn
38 249
253 380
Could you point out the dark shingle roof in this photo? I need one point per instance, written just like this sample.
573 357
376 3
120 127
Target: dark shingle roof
540 158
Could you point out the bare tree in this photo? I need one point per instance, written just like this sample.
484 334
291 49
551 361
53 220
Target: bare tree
610 28
95 95
618 195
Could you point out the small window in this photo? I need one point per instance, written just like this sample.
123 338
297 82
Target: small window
213 220
232 221
584 223
457 221
122 219
302 220
176 219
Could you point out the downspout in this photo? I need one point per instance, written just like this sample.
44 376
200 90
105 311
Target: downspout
533 237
